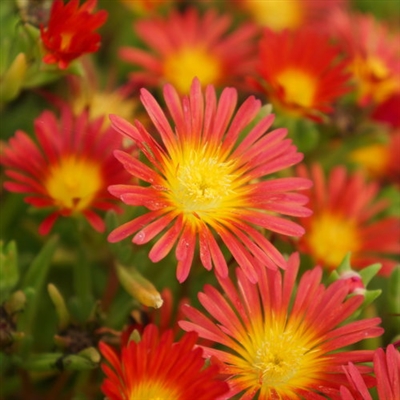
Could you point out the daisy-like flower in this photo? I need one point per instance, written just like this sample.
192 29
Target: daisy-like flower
183 46
374 54
279 342
300 73
206 179
288 14
69 168
387 374
380 159
87 93
70 31
344 220
158 368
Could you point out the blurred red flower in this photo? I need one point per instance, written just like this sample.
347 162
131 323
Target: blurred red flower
70 31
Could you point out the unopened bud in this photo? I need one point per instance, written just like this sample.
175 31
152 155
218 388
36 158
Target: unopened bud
139 287
59 304
354 282
12 81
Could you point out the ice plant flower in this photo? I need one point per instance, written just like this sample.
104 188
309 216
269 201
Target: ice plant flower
279 342
182 46
344 220
69 168
374 56
205 179
387 374
288 14
70 31
158 368
300 73
380 159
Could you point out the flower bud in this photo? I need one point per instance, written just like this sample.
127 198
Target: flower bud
138 286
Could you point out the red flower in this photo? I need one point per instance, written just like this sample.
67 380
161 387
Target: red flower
206 179
387 374
70 31
157 368
279 339
300 72
69 169
344 220
182 46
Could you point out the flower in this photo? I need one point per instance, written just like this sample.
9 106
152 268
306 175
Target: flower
182 46
344 220
279 342
87 92
387 111
70 31
68 169
288 14
374 56
295 79
157 368
387 373
205 180
380 159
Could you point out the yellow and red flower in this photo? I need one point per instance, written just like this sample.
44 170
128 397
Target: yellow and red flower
300 73
387 374
70 31
344 220
158 368
380 160
288 14
68 170
205 179
374 56
188 45
277 342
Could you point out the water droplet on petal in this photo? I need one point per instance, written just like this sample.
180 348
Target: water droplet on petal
139 237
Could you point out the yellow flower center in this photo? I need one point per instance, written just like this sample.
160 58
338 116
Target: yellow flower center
281 356
276 14
202 182
153 390
331 237
74 182
299 87
373 158
181 67
374 78
277 361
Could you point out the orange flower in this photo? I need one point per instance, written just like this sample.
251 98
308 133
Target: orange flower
300 73
70 31
206 179
279 341
184 46
157 368
69 169
344 221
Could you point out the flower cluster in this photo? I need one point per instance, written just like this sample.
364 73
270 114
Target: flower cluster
200 200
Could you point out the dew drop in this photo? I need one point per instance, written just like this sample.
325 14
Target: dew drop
139 237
